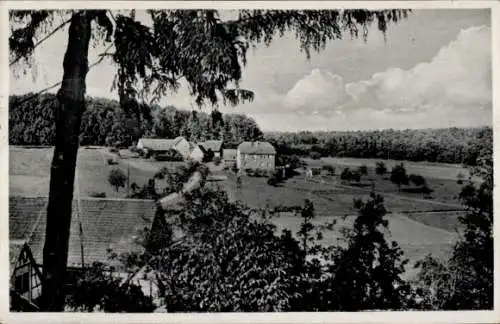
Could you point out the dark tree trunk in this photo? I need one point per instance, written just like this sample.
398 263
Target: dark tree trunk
71 97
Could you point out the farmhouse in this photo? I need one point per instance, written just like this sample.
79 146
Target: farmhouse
229 156
255 155
156 146
215 146
197 152
102 226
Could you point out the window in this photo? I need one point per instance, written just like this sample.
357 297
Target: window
22 284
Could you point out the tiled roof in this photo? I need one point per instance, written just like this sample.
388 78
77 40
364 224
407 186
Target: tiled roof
15 247
214 145
229 154
106 223
256 148
160 144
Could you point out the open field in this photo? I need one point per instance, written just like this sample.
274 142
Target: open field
29 172
425 169
419 225
415 239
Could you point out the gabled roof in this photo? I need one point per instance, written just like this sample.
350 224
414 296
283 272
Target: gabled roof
15 248
230 154
256 148
157 144
106 223
214 145
160 144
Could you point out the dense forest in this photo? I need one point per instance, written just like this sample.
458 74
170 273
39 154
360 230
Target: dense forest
448 145
106 122
32 122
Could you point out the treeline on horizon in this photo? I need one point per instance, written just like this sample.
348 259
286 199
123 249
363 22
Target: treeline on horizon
105 122
444 145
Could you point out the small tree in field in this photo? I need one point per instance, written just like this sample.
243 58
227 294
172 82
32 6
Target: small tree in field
417 180
356 176
363 170
399 176
346 175
380 168
117 178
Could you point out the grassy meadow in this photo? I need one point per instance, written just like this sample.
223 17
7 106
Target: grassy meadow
420 225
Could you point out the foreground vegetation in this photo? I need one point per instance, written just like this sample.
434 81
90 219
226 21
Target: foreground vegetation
229 257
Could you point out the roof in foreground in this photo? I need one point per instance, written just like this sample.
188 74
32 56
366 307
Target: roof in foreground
107 224
256 148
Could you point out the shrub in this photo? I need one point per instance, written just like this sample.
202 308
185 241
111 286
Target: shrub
113 150
112 161
355 176
380 168
330 169
363 170
417 180
97 194
315 155
399 176
316 171
117 178
346 175
275 178
209 156
217 160
249 172
460 178
171 155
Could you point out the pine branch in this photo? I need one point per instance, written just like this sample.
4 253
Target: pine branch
64 23
101 58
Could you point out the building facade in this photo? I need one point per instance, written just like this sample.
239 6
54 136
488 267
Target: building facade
256 155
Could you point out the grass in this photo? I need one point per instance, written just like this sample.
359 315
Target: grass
420 226
29 172
415 239
425 169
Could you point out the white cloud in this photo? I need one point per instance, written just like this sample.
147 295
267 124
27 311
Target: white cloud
453 89
317 92
459 75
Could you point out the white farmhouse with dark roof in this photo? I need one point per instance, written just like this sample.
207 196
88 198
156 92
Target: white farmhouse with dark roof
255 155
162 145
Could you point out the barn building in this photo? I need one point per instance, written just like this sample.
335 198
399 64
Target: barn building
156 146
99 227
255 155
216 146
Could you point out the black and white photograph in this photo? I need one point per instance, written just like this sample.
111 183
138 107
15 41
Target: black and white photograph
200 158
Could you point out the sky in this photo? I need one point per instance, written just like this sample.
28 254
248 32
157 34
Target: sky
431 70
